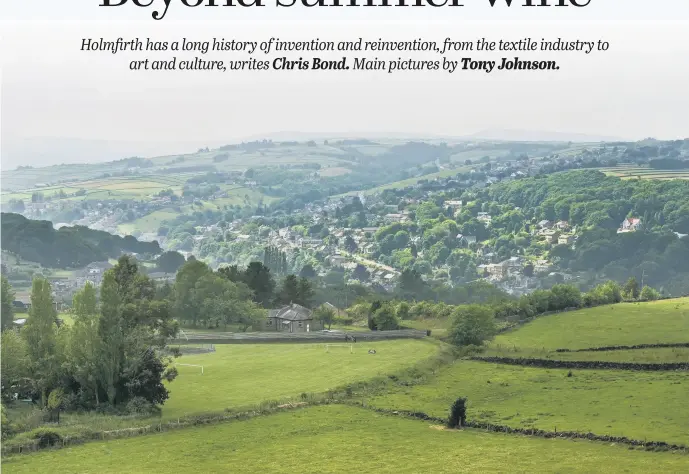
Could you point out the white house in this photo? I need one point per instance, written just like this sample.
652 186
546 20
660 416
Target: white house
630 225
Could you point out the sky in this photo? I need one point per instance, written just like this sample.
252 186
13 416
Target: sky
51 90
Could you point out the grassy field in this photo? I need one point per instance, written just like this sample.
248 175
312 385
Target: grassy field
149 223
637 172
241 374
134 187
333 439
411 181
236 195
665 321
640 405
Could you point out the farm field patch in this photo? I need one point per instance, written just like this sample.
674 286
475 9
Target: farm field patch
334 439
638 405
628 324
241 374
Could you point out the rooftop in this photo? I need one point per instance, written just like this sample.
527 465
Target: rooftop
293 312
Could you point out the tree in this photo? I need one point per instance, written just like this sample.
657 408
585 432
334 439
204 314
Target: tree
308 271
133 324
472 325
111 337
563 297
325 314
170 262
305 295
649 294
84 343
7 314
14 361
385 318
40 333
289 291
411 285
258 278
458 414
631 289
375 306
232 273
350 245
184 305
403 311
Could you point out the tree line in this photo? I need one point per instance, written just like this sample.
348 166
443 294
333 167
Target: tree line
474 324
67 247
110 358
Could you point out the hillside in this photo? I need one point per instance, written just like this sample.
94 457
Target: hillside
68 247
522 381
572 420
628 324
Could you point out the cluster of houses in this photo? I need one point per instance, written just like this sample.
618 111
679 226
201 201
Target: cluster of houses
556 233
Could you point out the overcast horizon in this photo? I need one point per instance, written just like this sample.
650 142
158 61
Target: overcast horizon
50 89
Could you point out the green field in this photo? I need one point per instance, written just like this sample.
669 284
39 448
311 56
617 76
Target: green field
637 172
411 181
241 374
165 169
237 195
627 324
639 405
135 187
333 439
149 223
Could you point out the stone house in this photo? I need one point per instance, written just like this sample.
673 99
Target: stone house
291 318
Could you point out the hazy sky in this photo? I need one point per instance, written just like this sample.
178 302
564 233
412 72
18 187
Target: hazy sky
52 89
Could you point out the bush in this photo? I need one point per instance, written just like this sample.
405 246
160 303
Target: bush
649 294
385 318
472 325
46 437
458 414
5 424
141 406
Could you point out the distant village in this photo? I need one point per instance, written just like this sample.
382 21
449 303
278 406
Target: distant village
516 274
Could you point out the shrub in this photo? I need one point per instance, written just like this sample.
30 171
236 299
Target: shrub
385 318
46 437
648 294
458 412
472 325
141 406
5 424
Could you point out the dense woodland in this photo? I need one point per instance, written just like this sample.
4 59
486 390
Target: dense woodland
67 247
598 204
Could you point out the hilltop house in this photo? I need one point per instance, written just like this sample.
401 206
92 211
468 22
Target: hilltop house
562 225
396 218
454 205
629 225
291 318
565 239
